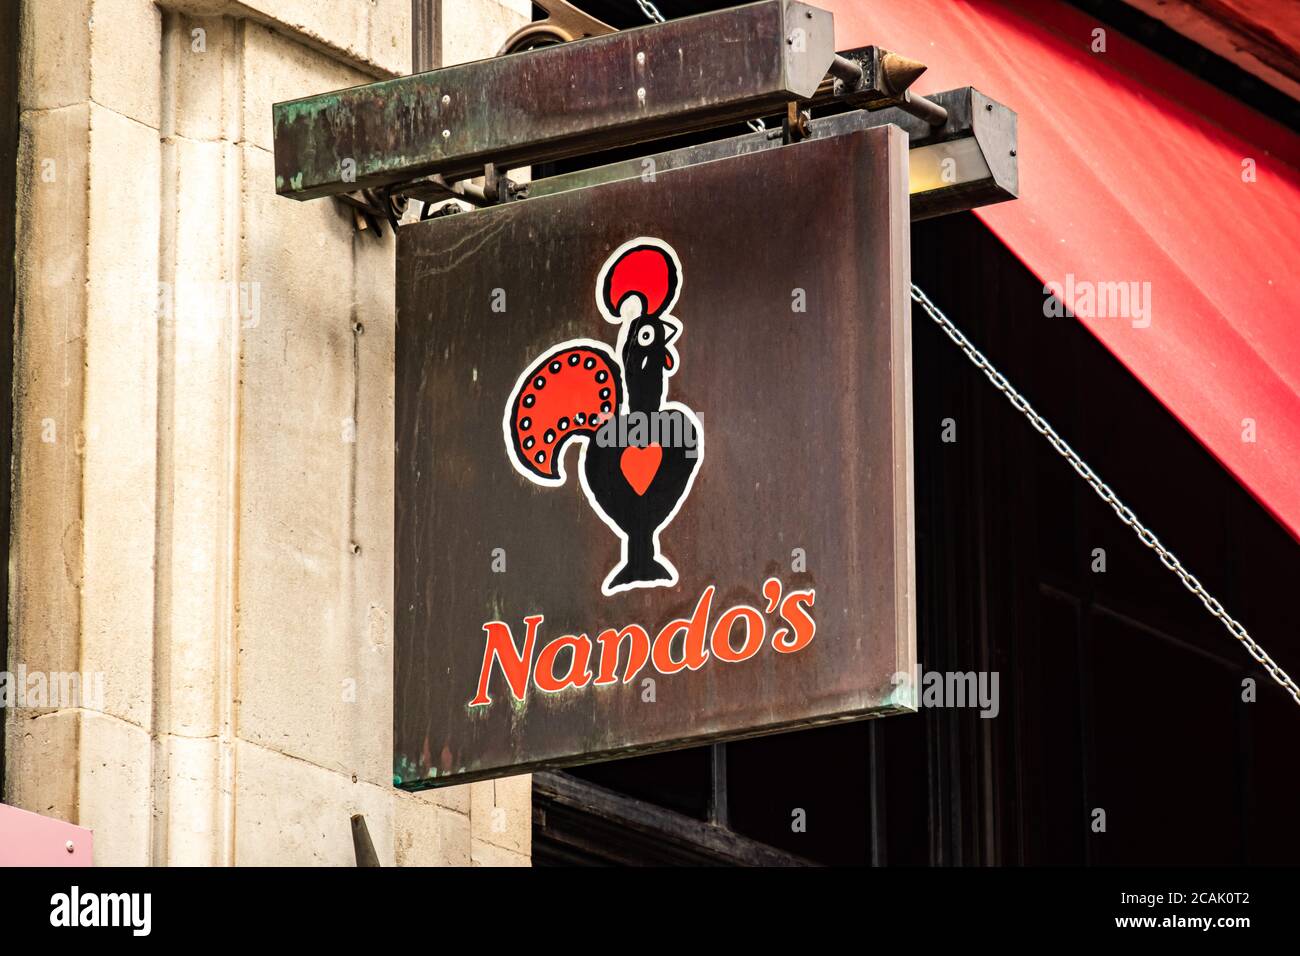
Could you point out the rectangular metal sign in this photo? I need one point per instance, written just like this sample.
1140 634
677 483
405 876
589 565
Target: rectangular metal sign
654 462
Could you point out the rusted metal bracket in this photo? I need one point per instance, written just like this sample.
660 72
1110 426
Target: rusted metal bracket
564 23
431 211
867 78
435 188
497 187
557 101
794 126
423 136
871 78
971 161
371 208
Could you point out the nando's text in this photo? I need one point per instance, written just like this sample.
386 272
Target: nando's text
736 634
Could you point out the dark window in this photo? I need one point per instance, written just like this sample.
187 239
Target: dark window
1118 690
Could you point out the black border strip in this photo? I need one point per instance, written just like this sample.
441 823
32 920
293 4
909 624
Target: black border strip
8 271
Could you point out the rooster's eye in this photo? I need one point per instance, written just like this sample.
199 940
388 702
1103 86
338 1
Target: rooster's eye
646 336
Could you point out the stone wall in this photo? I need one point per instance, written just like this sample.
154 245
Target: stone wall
203 466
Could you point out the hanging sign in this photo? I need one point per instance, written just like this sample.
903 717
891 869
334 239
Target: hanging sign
654 462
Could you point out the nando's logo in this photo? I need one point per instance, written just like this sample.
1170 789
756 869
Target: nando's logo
635 475
639 457
688 643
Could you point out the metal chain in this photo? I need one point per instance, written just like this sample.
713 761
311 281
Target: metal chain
651 11
654 16
1126 515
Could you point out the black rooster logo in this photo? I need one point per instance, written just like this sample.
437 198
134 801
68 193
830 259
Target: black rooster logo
640 452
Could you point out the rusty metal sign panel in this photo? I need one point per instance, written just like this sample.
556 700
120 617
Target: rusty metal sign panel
654 462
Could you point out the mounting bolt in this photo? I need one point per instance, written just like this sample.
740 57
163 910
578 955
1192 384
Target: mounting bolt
69 846
446 99
358 328
354 548
446 134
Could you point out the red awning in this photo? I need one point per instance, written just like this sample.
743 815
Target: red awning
1131 171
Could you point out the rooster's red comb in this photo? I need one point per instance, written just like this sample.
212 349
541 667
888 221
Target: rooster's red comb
645 269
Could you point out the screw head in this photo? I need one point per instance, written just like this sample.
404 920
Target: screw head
69 846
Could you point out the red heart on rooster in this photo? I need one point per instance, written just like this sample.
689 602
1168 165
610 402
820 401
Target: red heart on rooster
640 465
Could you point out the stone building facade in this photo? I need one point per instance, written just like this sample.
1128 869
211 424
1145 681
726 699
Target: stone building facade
202 495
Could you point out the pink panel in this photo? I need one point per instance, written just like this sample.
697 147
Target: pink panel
29 839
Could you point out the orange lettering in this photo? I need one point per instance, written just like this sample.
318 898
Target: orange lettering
755 631
578 673
696 630
611 641
800 619
501 647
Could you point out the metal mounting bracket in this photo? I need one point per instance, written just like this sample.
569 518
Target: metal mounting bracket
424 136
794 126
371 208
564 23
